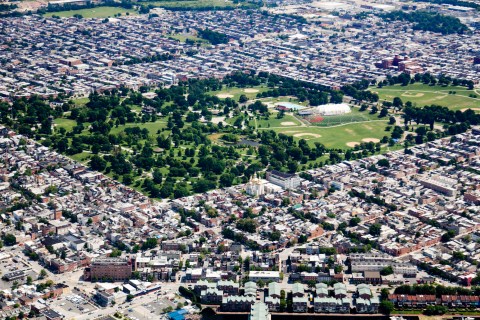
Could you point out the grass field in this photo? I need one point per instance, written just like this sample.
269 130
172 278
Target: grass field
422 95
235 93
64 123
97 12
196 4
184 37
80 102
152 127
342 136
286 121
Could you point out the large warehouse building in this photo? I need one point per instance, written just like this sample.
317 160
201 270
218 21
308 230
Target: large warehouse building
332 109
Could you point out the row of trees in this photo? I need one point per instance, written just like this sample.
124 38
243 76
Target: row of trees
426 78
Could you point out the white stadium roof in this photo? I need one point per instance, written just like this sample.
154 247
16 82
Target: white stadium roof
333 109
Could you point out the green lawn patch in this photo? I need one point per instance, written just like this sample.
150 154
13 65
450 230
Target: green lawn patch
184 37
197 4
235 92
342 137
285 122
422 95
64 123
80 102
152 127
97 12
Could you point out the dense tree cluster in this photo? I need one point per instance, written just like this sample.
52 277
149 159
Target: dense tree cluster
212 36
460 3
428 21
459 121
358 91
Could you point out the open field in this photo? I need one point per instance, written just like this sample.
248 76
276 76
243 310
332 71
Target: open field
80 102
196 4
235 92
184 37
342 136
422 95
97 12
152 127
287 121
64 123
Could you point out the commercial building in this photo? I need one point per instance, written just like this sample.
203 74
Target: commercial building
265 276
284 180
116 269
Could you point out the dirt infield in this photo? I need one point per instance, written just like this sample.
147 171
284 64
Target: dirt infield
250 90
224 95
474 109
366 126
352 144
288 123
413 95
371 140
306 134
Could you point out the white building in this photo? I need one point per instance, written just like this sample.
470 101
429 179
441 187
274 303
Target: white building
332 109
284 180
264 276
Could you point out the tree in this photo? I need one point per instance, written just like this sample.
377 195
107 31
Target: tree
97 163
29 280
157 176
383 113
383 163
150 243
248 225
375 229
129 297
9 239
448 236
127 179
43 274
397 103
386 307
243 98
354 221
386 271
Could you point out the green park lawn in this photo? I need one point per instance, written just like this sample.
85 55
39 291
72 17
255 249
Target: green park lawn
184 37
64 123
422 95
195 4
338 136
80 102
82 157
97 12
235 92
272 122
152 127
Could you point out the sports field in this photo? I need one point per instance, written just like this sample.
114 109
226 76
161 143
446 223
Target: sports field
354 116
235 92
342 136
97 12
422 95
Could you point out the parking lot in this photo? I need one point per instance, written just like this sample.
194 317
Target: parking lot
72 305
151 310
